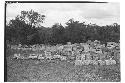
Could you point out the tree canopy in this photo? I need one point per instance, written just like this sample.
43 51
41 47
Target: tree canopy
24 29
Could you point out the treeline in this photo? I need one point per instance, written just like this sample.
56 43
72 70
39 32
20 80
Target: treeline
18 31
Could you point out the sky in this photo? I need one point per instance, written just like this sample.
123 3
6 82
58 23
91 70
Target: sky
99 13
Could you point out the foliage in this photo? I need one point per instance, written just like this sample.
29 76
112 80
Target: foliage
31 17
22 31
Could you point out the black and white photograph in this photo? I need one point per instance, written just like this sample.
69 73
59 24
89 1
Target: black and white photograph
62 41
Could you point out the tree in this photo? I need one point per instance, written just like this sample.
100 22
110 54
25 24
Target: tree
58 33
31 17
24 25
75 31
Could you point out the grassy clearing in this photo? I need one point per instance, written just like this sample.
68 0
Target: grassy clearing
58 71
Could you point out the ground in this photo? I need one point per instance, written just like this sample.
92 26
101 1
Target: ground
58 71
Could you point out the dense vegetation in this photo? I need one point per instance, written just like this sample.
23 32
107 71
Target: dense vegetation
21 30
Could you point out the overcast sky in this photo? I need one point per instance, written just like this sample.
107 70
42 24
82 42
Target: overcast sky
99 13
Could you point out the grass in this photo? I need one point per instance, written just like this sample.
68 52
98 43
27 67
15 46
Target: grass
58 71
